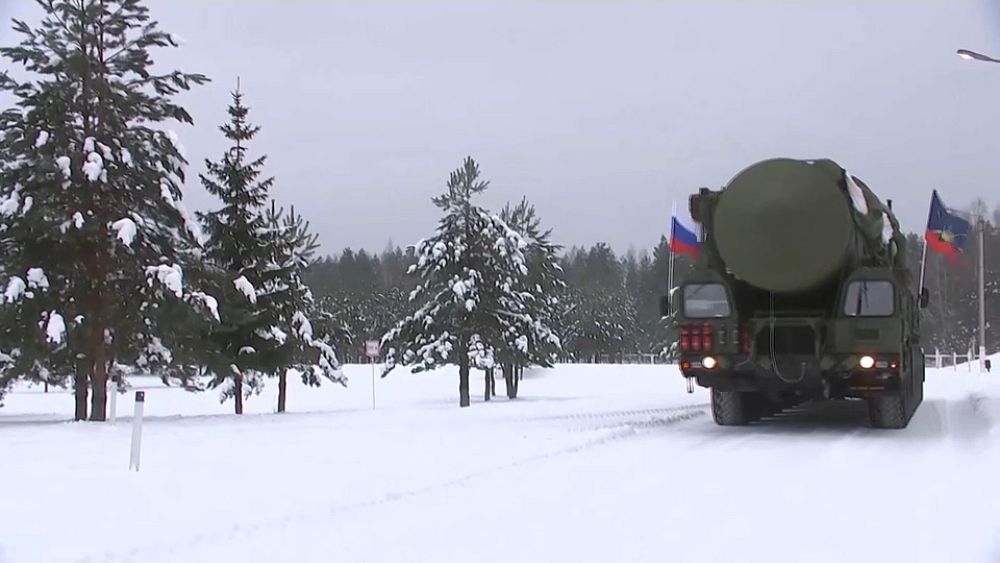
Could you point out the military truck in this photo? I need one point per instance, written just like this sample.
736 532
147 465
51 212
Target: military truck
801 292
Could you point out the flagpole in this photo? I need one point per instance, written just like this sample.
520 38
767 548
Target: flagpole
982 298
923 255
670 246
923 268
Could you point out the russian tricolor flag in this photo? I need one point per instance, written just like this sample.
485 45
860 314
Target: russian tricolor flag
684 235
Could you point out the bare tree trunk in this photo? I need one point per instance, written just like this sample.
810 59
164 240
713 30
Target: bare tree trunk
487 375
238 386
518 374
493 382
99 375
80 388
508 379
463 380
282 386
98 255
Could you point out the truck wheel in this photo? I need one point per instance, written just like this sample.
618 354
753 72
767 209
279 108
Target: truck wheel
731 408
916 398
888 410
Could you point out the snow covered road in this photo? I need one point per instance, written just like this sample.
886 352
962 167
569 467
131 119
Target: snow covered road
593 463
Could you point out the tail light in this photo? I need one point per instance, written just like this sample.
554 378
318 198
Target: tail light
696 338
685 338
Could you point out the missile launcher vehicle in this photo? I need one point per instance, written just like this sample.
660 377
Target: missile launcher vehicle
801 292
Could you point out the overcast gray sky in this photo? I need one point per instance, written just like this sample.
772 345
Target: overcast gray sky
601 113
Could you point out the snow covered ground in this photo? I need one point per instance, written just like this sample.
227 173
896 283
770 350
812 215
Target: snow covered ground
592 463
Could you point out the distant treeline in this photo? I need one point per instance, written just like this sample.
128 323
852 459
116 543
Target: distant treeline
610 308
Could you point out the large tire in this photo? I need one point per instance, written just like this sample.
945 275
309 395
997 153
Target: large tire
918 392
732 408
888 410
895 410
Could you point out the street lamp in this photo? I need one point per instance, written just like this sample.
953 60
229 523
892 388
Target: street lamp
974 56
981 227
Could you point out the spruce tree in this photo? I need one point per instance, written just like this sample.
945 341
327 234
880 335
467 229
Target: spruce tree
97 239
303 350
239 247
466 298
544 285
257 260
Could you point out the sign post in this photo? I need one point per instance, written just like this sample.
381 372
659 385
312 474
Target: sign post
372 351
140 401
113 390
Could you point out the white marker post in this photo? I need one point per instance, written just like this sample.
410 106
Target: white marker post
371 350
113 389
140 401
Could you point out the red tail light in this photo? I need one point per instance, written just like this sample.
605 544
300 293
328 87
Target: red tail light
696 338
706 337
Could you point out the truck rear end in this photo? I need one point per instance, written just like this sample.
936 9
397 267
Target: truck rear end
794 299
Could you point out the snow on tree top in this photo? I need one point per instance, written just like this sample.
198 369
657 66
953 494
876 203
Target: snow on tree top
246 288
36 278
56 328
106 152
126 230
15 289
64 163
94 167
210 302
10 204
170 276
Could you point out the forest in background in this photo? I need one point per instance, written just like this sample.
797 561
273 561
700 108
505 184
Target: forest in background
610 310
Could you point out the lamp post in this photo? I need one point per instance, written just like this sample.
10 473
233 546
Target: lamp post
981 226
982 297
974 56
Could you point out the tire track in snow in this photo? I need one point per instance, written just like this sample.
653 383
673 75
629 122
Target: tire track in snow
632 417
631 424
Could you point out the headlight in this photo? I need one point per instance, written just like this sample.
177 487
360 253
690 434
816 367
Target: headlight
867 362
709 362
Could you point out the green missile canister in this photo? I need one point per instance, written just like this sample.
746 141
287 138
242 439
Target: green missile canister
788 226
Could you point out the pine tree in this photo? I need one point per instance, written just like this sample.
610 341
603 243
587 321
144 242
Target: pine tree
598 315
240 246
334 316
466 299
97 239
304 353
258 260
545 285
